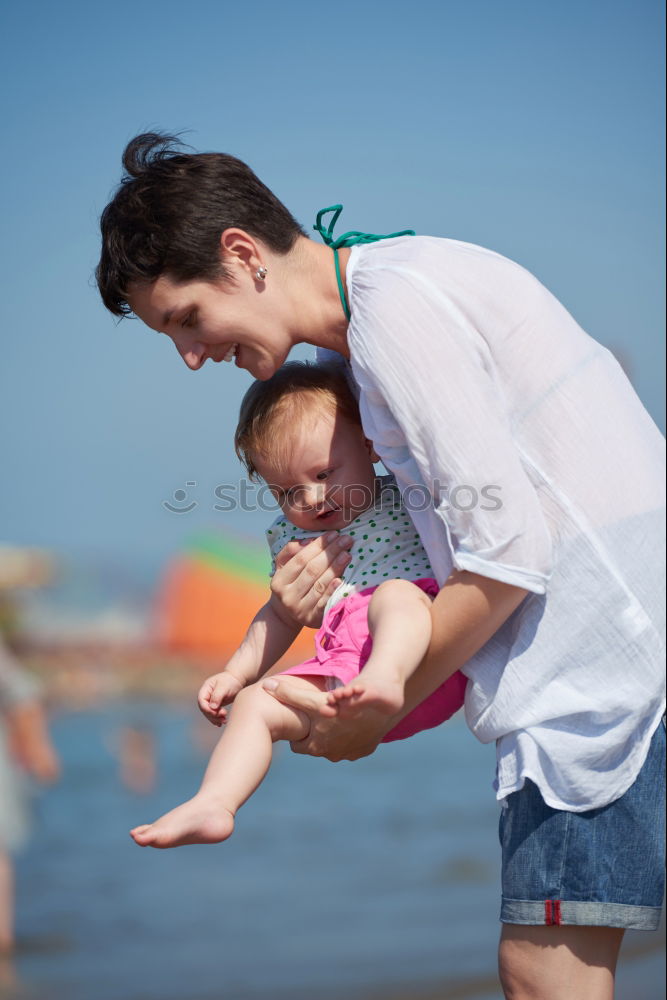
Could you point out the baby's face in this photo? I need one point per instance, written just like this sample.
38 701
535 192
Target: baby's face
330 477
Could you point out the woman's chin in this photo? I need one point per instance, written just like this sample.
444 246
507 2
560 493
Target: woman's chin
260 368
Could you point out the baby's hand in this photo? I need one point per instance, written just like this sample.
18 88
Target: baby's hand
217 691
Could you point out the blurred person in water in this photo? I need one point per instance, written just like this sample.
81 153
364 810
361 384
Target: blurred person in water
25 749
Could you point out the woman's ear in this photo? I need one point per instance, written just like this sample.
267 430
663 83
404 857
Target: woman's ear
238 246
371 450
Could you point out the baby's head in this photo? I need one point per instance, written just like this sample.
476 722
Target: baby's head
300 432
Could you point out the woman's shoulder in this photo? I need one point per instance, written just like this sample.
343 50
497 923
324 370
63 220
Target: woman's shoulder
410 248
423 262
417 292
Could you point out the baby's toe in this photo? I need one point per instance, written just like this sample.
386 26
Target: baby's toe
329 710
143 839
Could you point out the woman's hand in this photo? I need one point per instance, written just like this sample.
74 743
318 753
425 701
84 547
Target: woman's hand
331 736
306 575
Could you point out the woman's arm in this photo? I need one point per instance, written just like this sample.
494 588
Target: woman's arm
466 613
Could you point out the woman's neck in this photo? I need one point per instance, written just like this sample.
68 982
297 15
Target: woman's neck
311 279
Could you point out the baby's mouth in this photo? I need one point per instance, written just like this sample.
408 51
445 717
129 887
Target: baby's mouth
330 510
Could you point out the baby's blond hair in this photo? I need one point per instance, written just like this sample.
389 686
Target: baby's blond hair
271 408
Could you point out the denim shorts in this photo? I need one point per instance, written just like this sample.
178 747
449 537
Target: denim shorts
601 868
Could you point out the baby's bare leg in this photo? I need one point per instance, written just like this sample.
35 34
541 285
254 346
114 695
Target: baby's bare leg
399 621
238 764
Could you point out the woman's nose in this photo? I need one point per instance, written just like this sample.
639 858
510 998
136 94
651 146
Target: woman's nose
193 354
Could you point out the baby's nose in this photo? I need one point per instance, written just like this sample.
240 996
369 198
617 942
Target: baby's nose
314 494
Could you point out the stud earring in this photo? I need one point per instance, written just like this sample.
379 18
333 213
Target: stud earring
261 273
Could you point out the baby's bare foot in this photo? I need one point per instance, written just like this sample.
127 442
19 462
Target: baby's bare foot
384 694
201 820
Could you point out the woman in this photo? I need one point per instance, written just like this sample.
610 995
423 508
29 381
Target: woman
532 474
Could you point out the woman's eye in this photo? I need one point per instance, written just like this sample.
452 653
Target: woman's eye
323 475
187 320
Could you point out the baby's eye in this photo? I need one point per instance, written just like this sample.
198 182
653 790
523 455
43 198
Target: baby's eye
187 320
323 475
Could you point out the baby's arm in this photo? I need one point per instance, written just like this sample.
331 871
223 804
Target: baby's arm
266 640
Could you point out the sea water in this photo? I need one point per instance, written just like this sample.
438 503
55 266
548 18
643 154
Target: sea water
341 880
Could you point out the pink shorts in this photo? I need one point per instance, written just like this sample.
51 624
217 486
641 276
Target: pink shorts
343 645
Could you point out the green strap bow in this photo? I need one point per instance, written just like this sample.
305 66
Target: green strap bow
350 239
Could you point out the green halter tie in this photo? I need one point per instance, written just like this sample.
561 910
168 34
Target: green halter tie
346 240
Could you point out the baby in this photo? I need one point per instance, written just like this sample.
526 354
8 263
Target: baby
301 433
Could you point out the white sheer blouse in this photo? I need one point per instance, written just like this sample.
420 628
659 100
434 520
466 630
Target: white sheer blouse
524 455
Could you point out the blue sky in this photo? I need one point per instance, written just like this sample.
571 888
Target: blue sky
534 128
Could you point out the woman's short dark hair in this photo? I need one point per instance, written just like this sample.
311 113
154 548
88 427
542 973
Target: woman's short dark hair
170 210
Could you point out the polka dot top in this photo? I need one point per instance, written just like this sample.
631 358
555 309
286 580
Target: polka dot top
386 544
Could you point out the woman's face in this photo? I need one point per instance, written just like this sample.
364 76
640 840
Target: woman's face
220 321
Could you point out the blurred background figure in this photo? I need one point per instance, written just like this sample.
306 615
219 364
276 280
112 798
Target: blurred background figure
25 745
136 758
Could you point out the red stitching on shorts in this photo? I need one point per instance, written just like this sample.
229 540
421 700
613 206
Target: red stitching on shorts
557 912
548 912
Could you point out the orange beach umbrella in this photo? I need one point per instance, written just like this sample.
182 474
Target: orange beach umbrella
211 592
